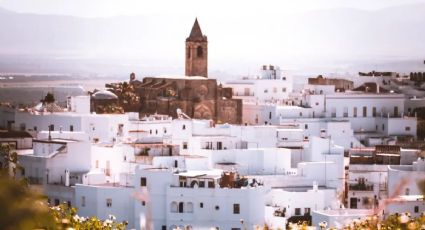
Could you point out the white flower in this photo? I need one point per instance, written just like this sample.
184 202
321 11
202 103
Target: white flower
76 218
403 218
323 224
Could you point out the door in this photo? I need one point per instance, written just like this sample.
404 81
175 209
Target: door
353 202
219 145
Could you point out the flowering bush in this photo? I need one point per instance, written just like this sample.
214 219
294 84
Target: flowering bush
396 221
67 218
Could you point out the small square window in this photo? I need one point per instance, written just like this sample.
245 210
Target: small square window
201 184
184 145
217 207
201 205
236 208
83 201
298 211
407 128
143 181
210 184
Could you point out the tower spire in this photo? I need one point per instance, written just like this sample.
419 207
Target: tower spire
196 33
196 52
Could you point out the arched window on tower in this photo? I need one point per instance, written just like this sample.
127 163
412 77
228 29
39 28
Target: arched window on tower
199 51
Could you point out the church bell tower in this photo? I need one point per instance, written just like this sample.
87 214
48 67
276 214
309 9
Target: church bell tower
196 52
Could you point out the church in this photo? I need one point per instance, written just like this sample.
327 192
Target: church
195 94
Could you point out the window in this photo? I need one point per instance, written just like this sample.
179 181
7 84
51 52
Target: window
266 90
364 111
201 205
23 171
68 203
71 128
176 164
395 111
201 184
355 112
374 111
298 211
165 130
306 126
156 131
52 127
210 184
189 207
164 227
143 203
416 209
383 127
181 207
407 128
35 128
184 127
174 207
217 207
199 51
270 115
83 201
317 103
345 114
143 181
109 202
236 208
184 145
306 211
150 131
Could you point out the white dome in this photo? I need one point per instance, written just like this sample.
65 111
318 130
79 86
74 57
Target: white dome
104 95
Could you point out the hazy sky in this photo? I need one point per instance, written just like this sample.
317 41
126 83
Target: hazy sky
242 34
105 8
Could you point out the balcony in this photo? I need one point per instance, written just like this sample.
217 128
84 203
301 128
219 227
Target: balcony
361 187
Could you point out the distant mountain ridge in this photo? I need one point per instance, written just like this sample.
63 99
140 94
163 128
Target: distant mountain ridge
239 44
